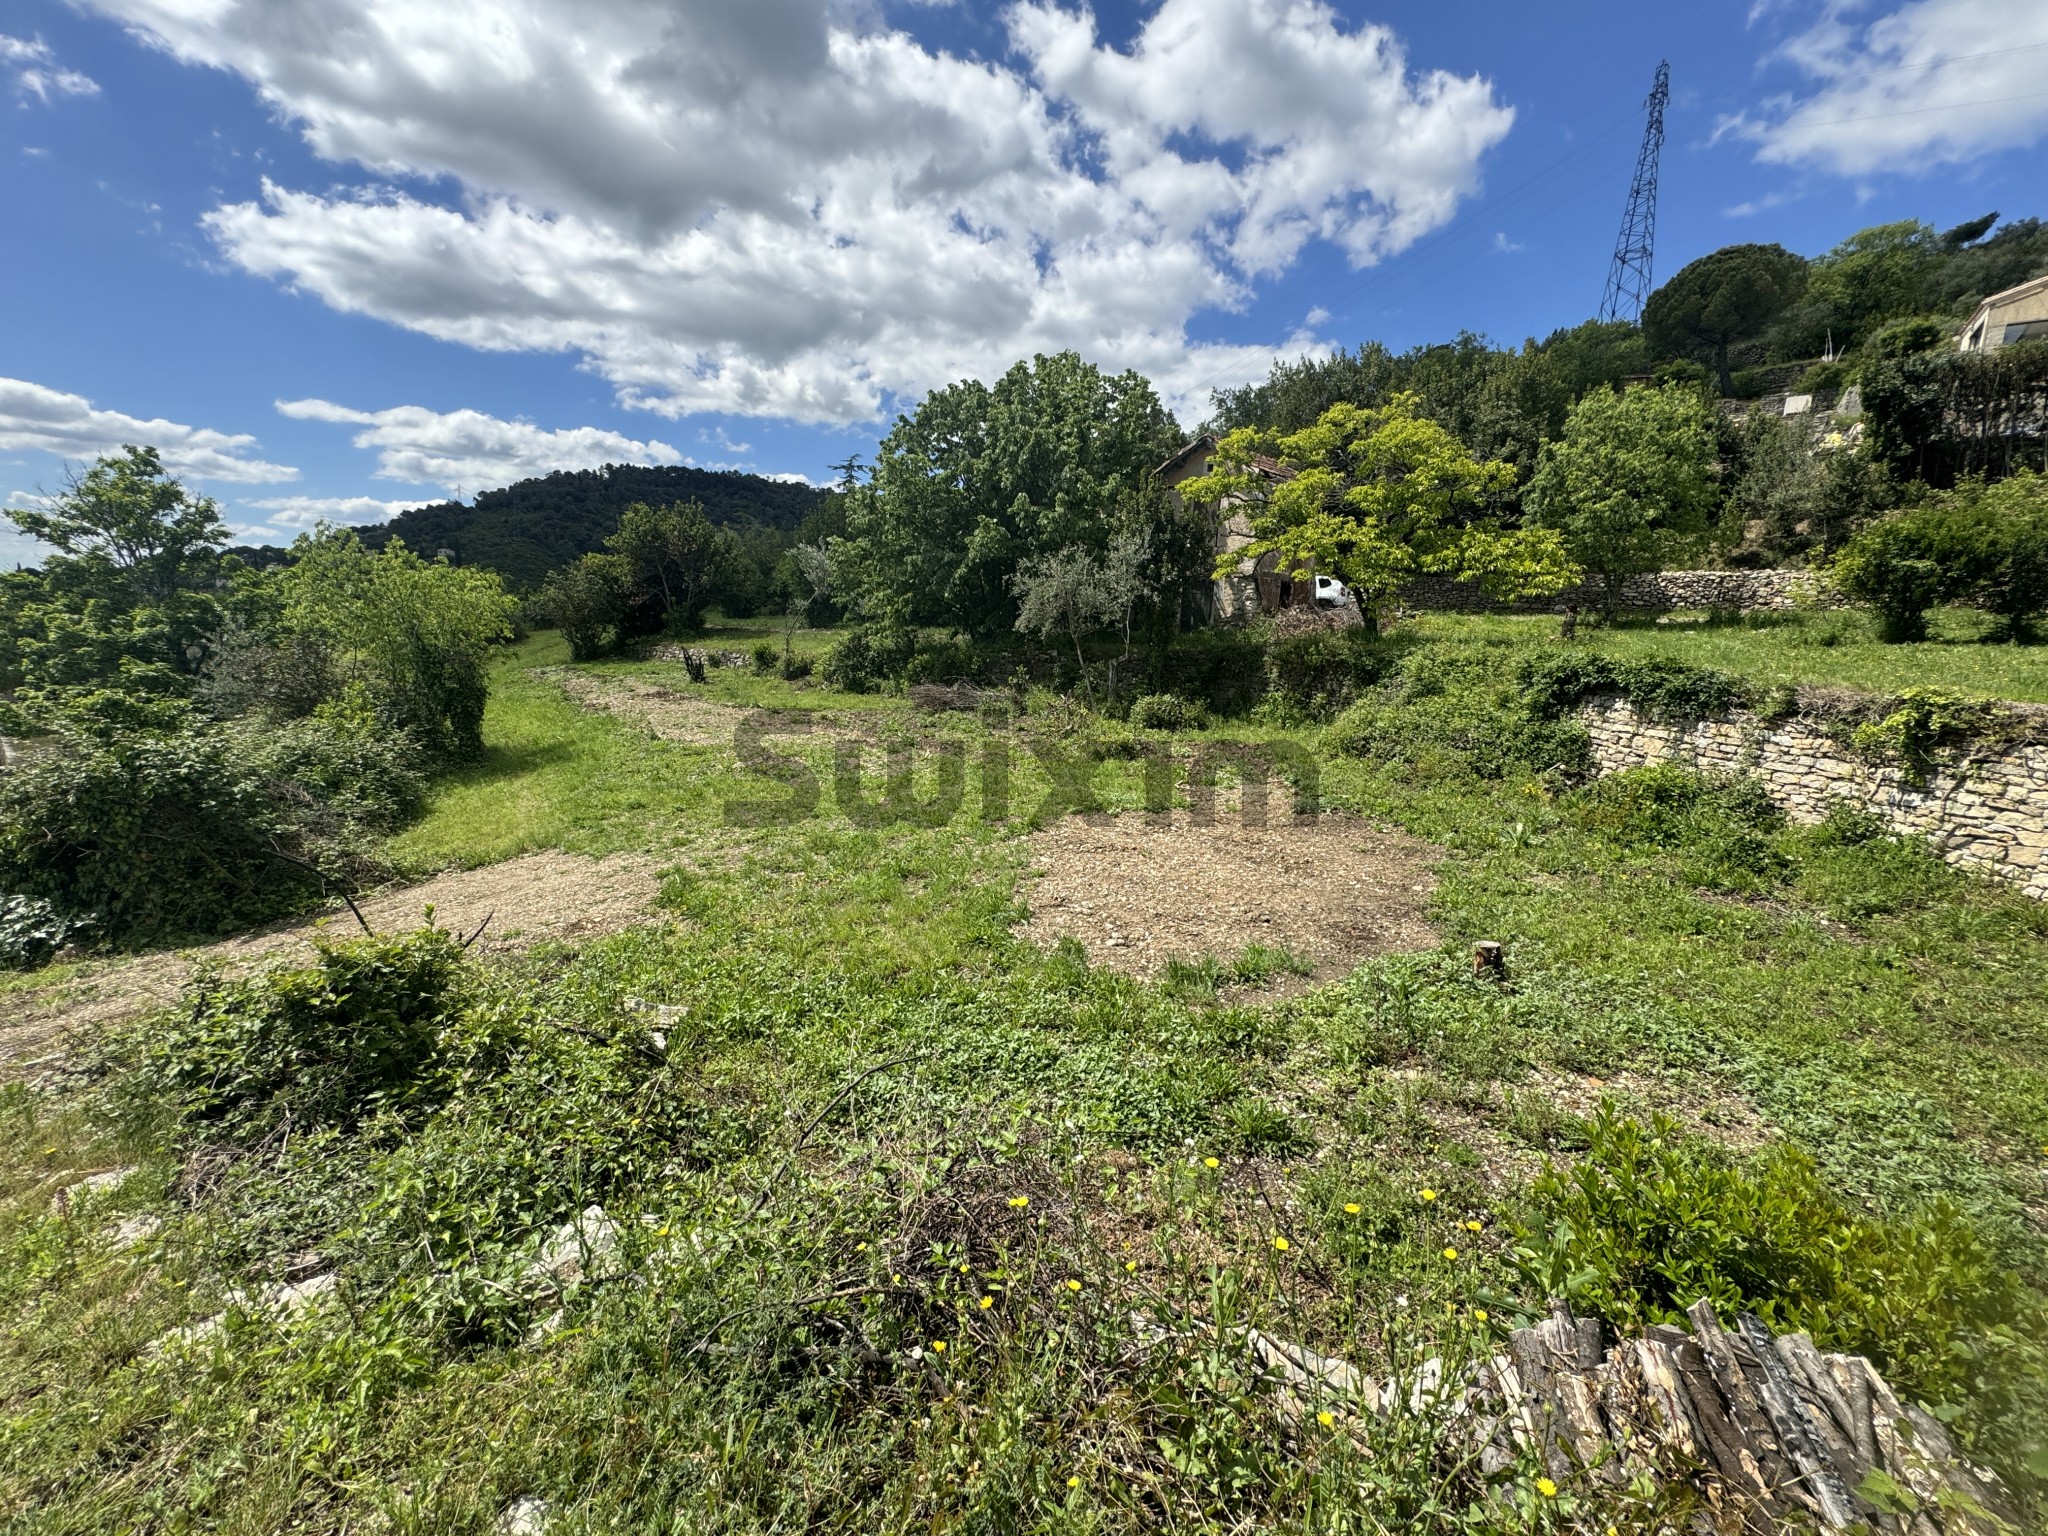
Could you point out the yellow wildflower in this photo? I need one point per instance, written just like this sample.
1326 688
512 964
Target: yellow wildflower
1073 1285
1210 1162
1450 1253
1429 1194
1351 1209
1018 1202
1280 1243
1475 1226
1073 1482
1130 1266
938 1346
987 1302
1546 1487
1326 1418
1479 1314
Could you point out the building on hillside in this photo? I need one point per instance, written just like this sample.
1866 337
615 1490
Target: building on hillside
1256 586
2018 314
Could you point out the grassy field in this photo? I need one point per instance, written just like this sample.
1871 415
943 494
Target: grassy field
1836 649
925 1228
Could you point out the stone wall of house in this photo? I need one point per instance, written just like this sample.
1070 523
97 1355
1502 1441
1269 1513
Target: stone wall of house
1987 813
1660 590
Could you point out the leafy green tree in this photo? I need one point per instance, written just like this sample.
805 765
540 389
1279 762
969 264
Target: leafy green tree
979 479
677 556
412 635
132 592
127 519
1724 298
1378 497
1631 483
588 600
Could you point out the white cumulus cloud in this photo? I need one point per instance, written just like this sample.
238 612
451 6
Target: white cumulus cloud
779 208
46 420
36 73
469 451
1929 83
307 511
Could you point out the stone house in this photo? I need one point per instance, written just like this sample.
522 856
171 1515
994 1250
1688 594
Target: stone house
1256 586
2018 314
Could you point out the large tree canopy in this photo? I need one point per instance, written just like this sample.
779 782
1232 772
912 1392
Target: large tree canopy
1631 483
1724 298
977 480
1378 497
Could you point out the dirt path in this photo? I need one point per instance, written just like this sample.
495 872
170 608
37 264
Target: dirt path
1139 890
538 897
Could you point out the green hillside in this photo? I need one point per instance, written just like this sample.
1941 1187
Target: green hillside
534 526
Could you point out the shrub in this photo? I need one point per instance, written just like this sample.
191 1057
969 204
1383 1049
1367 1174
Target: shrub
1648 1222
766 657
157 836
850 664
1457 707
1167 712
357 1033
1982 545
32 930
795 667
1668 691
1722 828
415 634
1824 379
1313 676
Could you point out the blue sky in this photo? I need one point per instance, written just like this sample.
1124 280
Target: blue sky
337 256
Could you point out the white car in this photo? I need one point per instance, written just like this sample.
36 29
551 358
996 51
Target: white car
1331 593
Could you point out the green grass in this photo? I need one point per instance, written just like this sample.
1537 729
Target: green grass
1836 649
1854 999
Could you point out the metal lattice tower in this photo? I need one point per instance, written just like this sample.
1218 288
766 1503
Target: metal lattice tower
1628 280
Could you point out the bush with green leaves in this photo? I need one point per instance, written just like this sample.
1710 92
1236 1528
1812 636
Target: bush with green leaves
1721 831
1983 545
1659 688
356 1034
1313 676
156 835
1458 709
1649 1221
32 930
414 635
1168 712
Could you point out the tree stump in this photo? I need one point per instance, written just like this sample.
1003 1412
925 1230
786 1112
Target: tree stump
1489 960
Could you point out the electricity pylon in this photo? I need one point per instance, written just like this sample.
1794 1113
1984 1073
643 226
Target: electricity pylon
1628 280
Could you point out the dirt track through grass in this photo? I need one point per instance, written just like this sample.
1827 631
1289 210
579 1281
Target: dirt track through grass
521 902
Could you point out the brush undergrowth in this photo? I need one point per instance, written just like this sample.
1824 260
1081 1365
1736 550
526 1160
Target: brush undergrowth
840 1118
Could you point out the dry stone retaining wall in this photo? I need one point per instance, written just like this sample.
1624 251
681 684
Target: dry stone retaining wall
1987 813
1661 590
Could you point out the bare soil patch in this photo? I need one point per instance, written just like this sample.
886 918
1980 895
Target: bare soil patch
529 900
1139 890
669 713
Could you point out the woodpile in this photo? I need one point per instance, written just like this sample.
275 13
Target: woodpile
1772 1433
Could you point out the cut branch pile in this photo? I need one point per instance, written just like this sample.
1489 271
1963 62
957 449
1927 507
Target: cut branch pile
1772 1433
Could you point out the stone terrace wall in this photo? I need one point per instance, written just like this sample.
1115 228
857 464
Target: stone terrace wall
1989 814
1661 590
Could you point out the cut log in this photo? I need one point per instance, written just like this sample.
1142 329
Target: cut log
1796 1436
1745 1413
1853 1382
1722 1444
1656 1362
1531 1355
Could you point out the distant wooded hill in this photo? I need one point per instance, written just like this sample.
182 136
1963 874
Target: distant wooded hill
535 526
